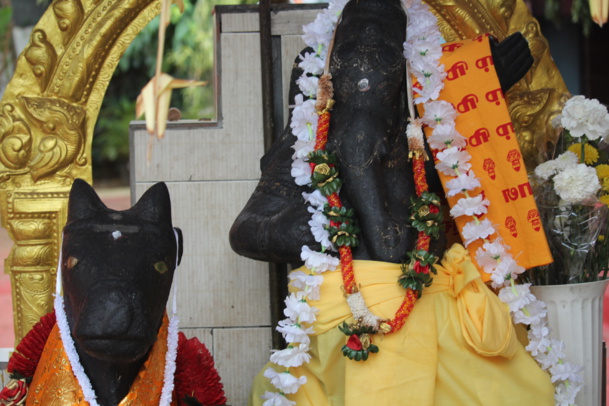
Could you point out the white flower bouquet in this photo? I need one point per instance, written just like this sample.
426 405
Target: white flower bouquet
572 192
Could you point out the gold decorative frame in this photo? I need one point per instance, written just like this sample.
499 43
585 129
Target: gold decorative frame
50 107
47 116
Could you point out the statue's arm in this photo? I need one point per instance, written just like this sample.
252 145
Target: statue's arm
271 228
273 225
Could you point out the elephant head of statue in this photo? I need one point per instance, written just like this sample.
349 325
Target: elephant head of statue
367 135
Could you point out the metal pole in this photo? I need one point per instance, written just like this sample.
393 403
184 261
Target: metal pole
277 272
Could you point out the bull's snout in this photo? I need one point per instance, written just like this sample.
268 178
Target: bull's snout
106 315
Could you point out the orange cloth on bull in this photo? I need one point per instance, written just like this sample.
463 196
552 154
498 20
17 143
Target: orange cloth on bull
458 346
473 88
54 384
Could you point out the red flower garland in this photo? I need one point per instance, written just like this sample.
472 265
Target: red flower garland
195 376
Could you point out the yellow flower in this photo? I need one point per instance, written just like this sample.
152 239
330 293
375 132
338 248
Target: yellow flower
602 171
605 199
590 153
605 184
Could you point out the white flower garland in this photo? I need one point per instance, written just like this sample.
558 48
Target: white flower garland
74 359
422 50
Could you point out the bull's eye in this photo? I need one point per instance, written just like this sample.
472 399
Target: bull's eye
161 267
71 262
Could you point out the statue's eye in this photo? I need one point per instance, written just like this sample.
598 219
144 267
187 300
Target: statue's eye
71 263
161 267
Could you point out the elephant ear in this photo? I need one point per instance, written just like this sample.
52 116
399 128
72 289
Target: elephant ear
84 202
154 205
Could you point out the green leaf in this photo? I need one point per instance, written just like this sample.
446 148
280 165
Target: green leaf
345 329
6 14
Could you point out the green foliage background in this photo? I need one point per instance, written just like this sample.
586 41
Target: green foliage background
189 51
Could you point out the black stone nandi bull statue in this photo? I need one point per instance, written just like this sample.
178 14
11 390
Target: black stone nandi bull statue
367 134
112 343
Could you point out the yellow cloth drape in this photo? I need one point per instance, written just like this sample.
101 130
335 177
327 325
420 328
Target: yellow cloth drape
458 347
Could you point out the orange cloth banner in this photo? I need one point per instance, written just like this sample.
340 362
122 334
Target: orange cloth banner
473 88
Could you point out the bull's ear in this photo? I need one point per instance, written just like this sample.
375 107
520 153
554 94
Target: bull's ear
154 205
84 202
180 244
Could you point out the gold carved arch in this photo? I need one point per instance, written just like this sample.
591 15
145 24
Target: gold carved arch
50 107
47 116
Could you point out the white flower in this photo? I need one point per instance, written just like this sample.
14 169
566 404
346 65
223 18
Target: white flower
304 119
463 182
507 267
532 314
470 206
446 136
587 117
439 112
497 278
428 49
435 84
565 393
291 356
276 399
311 63
297 308
553 354
550 168
453 161
308 283
318 225
301 172
318 261
302 149
517 296
426 25
490 254
566 159
285 381
308 85
477 230
546 169
315 199
577 183
565 371
319 32
539 340
409 51
294 332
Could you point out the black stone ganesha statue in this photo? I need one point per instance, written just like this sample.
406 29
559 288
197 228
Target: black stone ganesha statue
367 135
